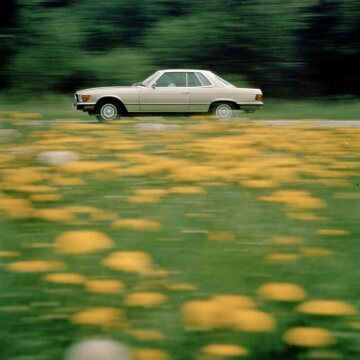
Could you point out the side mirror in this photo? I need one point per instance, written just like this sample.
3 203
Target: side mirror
153 85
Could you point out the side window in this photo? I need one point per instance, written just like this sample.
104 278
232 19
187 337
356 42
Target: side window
172 79
193 80
203 79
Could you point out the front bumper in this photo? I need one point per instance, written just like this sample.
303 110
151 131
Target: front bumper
83 106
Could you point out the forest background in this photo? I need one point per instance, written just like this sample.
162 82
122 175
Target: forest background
289 49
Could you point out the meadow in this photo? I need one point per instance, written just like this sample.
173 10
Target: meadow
184 238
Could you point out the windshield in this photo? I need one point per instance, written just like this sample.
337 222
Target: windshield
148 80
224 82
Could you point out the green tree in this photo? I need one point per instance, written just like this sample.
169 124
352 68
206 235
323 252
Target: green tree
331 44
8 18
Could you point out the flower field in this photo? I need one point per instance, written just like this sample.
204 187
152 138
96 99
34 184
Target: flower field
183 238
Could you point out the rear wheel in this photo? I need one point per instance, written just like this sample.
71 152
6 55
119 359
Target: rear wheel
223 111
108 110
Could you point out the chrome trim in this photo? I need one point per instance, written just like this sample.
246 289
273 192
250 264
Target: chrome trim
86 104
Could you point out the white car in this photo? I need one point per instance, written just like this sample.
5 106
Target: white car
170 91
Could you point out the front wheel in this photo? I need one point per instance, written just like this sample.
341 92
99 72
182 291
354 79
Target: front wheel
224 111
108 111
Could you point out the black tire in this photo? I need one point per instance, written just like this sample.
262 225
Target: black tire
108 110
223 111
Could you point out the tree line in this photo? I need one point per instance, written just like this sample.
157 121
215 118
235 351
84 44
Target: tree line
295 48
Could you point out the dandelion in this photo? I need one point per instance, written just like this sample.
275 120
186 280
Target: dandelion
147 335
225 350
327 308
129 261
250 320
137 224
150 354
82 242
282 292
145 299
105 317
64 278
104 286
35 266
202 315
308 337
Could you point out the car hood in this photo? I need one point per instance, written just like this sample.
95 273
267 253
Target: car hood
103 89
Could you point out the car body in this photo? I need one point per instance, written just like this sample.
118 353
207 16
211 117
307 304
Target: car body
170 91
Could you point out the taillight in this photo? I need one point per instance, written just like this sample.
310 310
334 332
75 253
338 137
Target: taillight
258 97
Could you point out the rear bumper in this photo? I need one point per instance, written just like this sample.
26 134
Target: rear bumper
251 107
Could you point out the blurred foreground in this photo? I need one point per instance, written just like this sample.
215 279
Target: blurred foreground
184 238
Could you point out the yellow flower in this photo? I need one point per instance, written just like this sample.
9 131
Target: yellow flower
220 236
137 224
16 208
21 115
145 299
87 166
287 240
180 287
282 292
33 189
9 254
308 337
225 350
129 261
64 278
101 316
315 251
104 286
55 215
249 320
202 315
67 181
327 308
46 197
275 258
187 190
295 199
82 242
147 335
35 266
150 354
259 183
335 232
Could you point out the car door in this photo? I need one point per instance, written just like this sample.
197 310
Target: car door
202 92
169 94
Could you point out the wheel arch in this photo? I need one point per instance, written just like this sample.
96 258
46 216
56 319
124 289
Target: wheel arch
216 102
114 99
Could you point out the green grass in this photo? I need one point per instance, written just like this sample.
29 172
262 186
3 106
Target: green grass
219 158
60 106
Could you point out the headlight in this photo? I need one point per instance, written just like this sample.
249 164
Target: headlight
85 98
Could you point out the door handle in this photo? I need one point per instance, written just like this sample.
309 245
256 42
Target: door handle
185 92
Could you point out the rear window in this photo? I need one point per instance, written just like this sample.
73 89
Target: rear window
193 80
203 79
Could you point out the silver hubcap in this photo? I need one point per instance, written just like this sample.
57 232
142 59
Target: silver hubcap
224 112
108 112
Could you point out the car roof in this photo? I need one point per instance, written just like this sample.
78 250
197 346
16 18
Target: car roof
182 70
